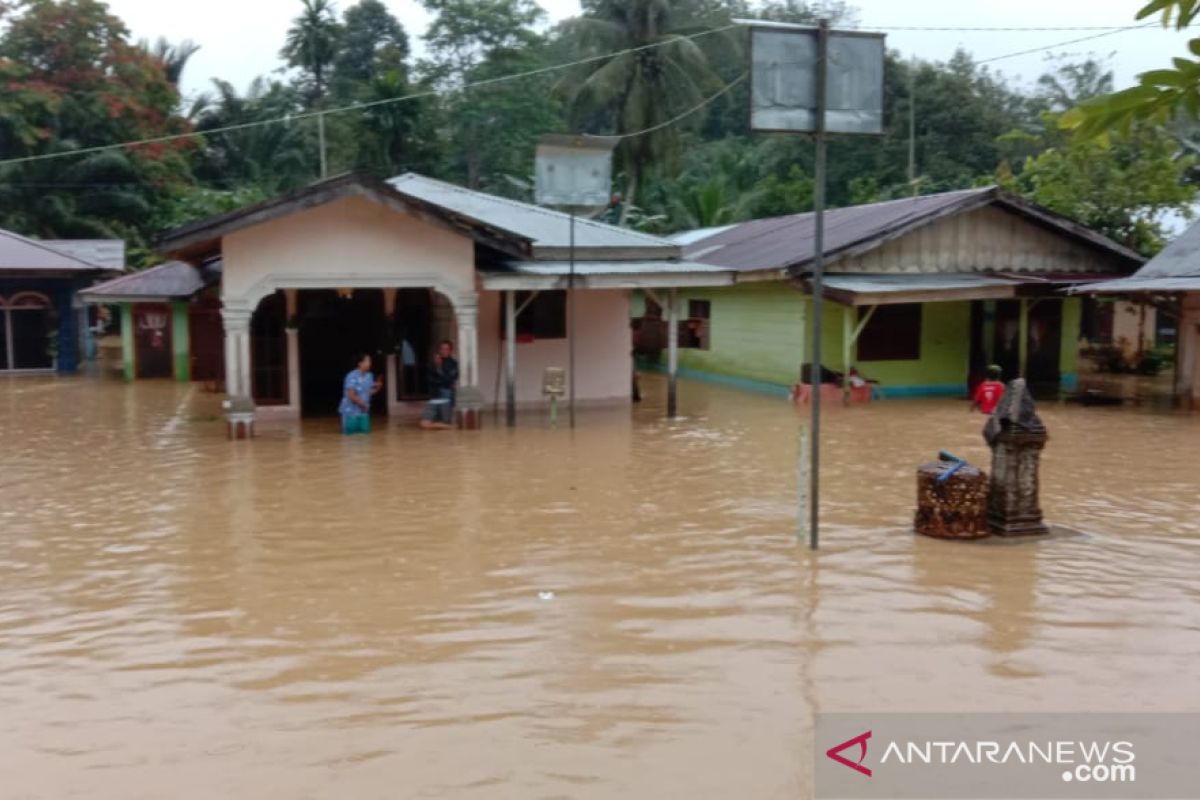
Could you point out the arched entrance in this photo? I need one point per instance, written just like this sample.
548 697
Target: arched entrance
337 325
26 332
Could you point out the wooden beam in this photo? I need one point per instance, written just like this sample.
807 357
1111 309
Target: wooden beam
672 352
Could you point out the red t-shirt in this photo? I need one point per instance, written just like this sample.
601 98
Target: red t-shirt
988 395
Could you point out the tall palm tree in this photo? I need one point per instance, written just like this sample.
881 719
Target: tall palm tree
312 44
637 90
172 57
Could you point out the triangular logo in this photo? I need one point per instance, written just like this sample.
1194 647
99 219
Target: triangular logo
835 753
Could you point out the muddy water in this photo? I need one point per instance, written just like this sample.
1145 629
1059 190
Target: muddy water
310 616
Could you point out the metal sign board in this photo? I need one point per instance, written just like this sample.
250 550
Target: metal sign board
573 171
783 94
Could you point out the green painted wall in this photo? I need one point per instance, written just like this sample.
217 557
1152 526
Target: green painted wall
180 344
755 334
127 353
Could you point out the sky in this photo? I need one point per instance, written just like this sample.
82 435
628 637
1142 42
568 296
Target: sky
240 39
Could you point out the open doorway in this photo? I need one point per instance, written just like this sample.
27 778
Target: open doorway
1042 367
414 343
335 327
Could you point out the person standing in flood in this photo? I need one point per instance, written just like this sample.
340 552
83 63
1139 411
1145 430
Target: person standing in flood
357 389
443 378
988 393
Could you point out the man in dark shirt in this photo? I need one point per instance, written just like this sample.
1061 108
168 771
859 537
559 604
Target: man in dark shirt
443 378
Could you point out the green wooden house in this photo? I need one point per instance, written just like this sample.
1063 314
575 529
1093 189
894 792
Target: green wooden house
921 295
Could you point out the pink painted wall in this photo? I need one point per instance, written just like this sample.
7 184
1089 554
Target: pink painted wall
602 350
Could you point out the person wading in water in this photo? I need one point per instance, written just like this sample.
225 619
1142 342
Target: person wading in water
443 378
357 389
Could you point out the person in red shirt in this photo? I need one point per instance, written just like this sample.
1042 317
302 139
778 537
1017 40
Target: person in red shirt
988 393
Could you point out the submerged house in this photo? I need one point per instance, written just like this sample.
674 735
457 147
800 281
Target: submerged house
43 327
921 294
170 321
1174 276
355 265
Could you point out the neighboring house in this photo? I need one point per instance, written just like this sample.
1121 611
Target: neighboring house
352 264
1172 275
42 327
921 294
170 321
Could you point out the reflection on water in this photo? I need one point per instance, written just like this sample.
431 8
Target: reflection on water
311 616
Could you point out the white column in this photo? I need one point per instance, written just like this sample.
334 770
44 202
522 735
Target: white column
293 349
510 357
467 314
237 351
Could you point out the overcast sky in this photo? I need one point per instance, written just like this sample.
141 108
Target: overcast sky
241 38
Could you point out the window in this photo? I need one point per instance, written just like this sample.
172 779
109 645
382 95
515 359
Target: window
693 331
893 334
544 318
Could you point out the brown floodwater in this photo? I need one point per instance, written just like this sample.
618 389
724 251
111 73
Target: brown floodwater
307 615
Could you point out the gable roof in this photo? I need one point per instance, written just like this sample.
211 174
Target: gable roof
172 280
547 229
517 229
1175 269
21 254
202 239
786 243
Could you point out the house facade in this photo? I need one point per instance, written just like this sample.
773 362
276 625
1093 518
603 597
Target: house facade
43 326
353 265
1171 280
922 294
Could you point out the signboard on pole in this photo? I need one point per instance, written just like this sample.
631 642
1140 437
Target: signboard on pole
783 69
573 171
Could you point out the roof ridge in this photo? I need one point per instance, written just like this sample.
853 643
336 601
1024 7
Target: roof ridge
530 206
141 273
43 246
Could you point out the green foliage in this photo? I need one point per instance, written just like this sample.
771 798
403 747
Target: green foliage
74 80
1159 96
1123 189
312 45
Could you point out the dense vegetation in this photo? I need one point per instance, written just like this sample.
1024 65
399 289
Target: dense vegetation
74 79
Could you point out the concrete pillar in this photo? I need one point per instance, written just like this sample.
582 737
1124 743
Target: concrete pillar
1187 349
847 342
292 332
181 341
468 411
239 404
128 353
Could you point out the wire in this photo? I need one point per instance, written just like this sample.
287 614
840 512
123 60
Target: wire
1069 41
620 136
1021 29
354 107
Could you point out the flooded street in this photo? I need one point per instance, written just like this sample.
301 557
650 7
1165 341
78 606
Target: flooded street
307 615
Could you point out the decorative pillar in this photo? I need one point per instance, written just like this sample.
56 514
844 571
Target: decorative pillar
128 353
291 330
1016 435
180 344
468 410
391 383
239 404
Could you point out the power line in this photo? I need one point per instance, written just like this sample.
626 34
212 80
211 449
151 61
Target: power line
356 106
542 71
1069 41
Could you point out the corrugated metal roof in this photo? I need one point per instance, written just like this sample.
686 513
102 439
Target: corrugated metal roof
787 242
615 267
780 242
907 282
19 252
1136 284
107 253
545 227
1178 263
170 280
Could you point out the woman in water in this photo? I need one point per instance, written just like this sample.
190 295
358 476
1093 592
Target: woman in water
358 388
